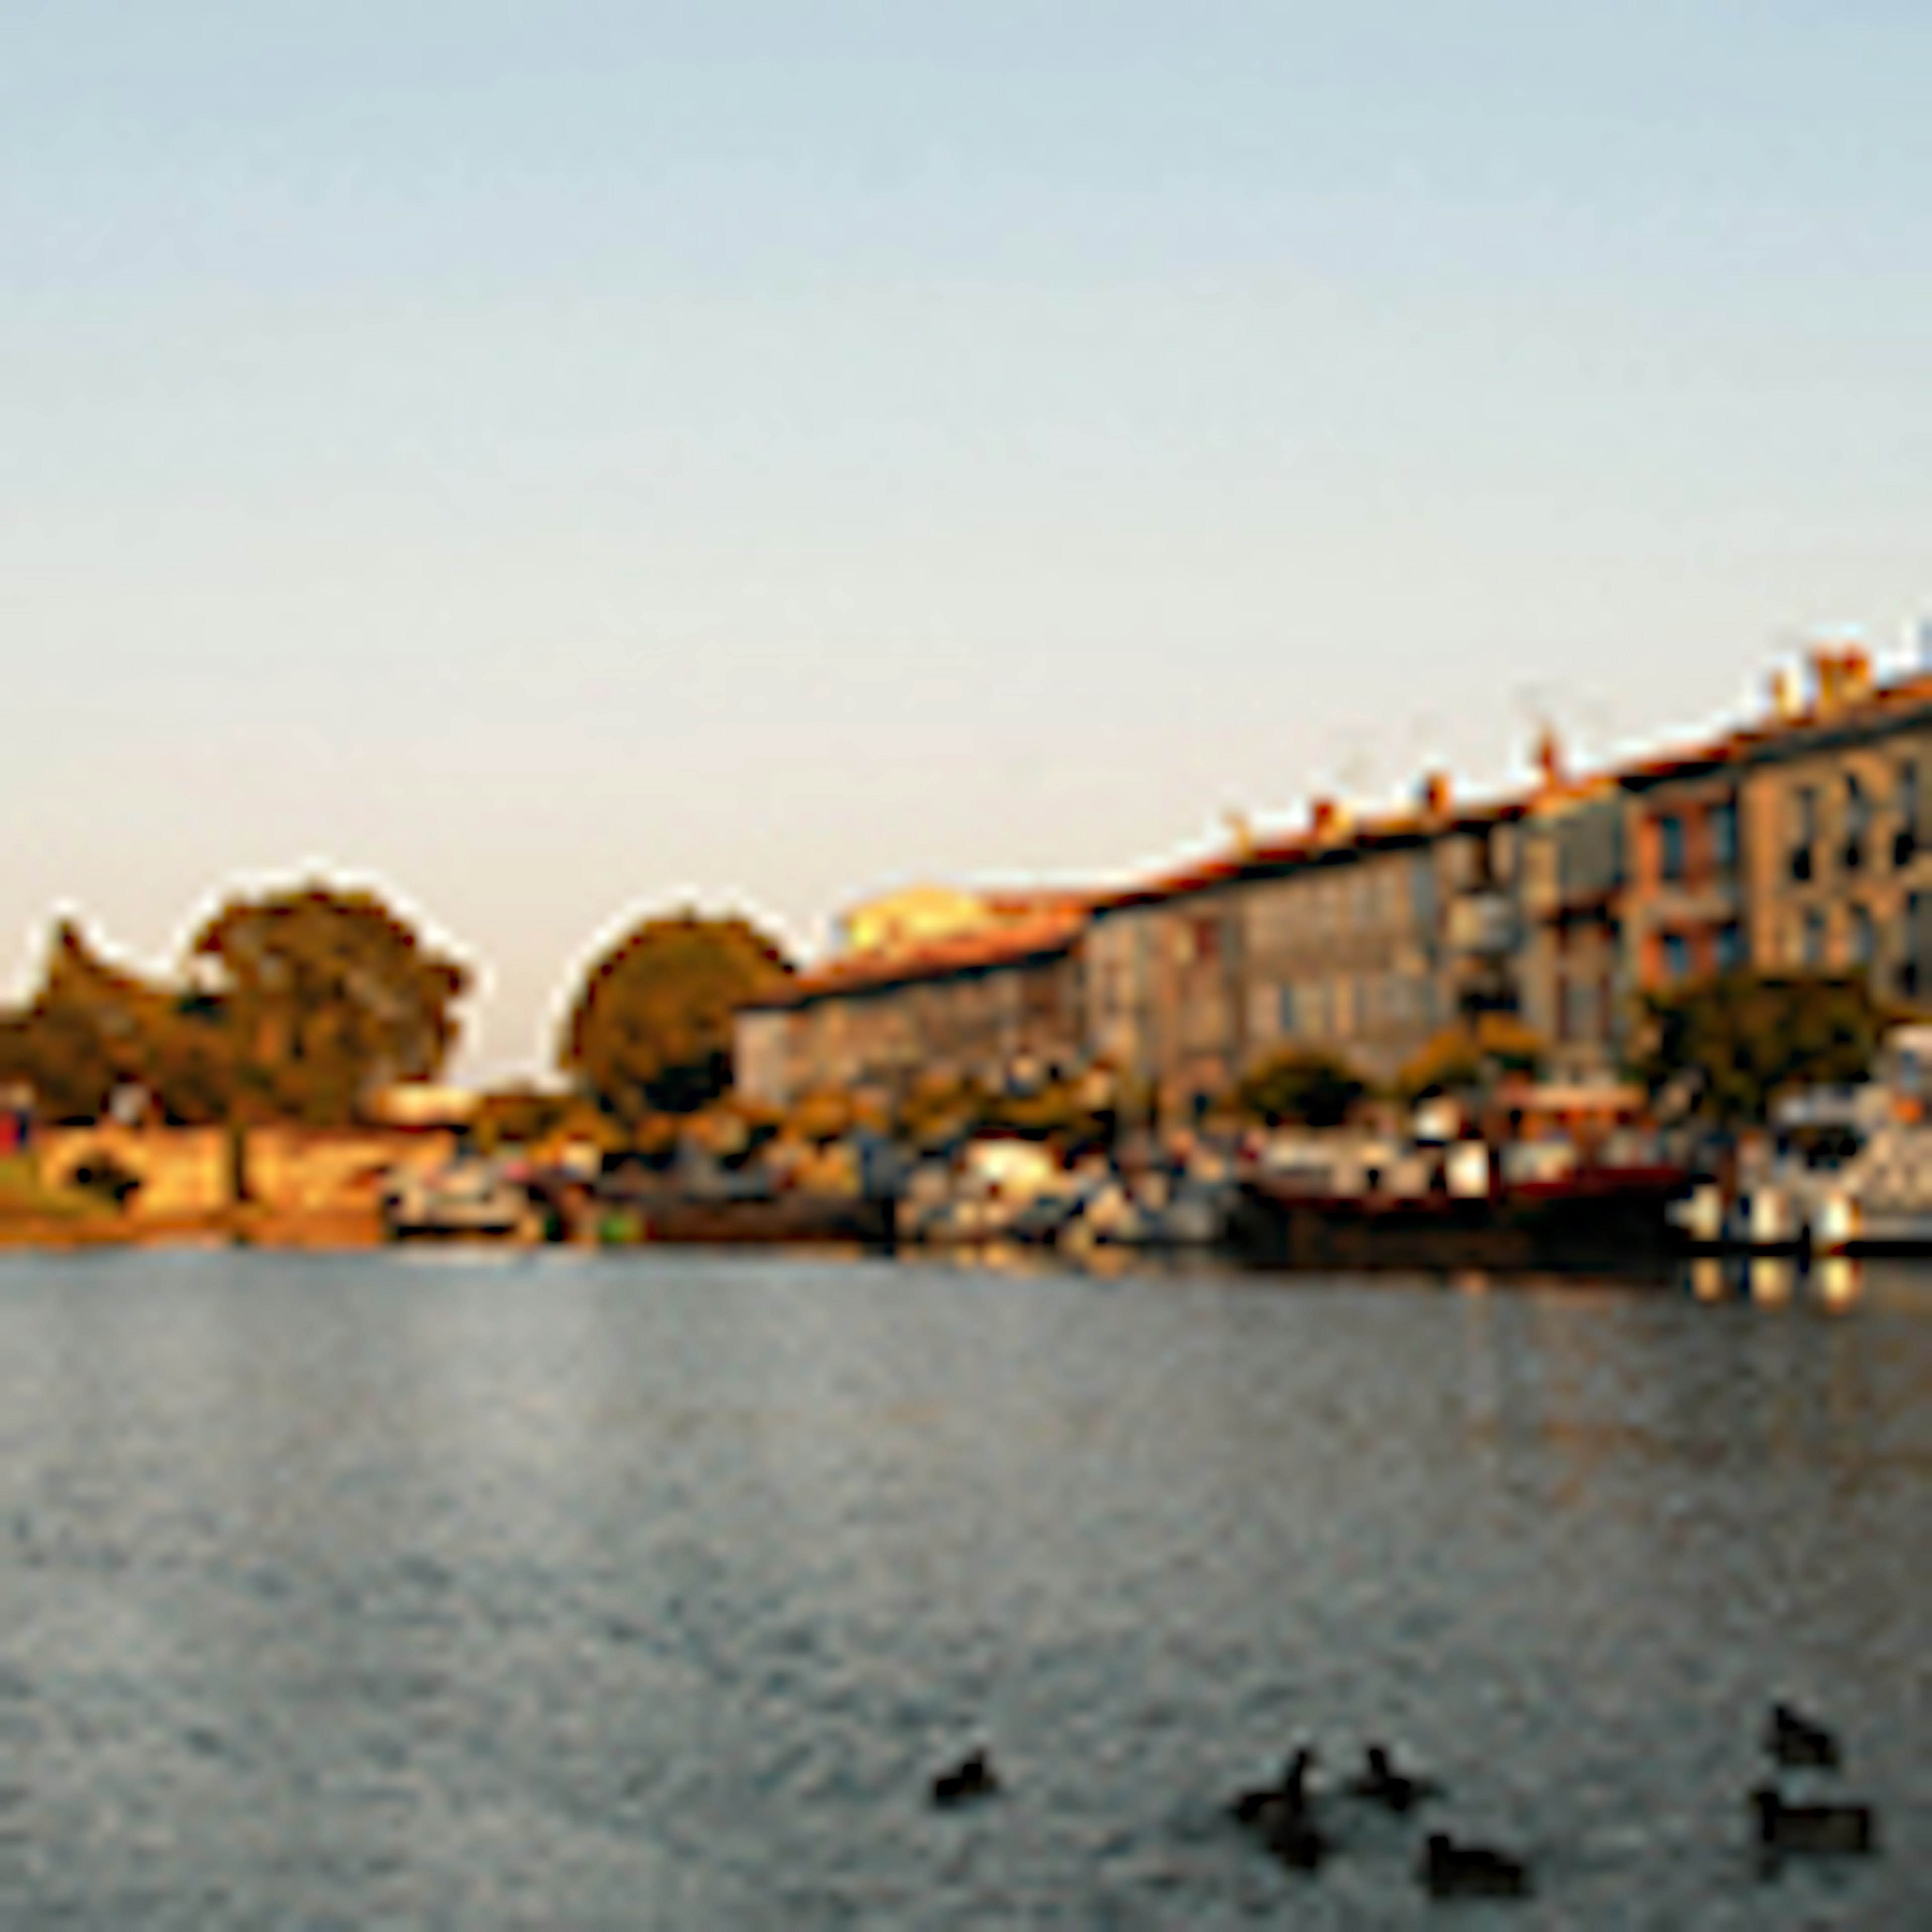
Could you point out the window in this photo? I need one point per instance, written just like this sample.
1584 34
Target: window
1863 938
1805 830
1905 840
1341 1012
1284 1011
1422 888
1723 827
1913 977
1811 939
1730 947
1858 823
1670 847
1676 957
1573 1010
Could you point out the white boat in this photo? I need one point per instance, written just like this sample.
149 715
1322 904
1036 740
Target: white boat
1855 1162
468 1199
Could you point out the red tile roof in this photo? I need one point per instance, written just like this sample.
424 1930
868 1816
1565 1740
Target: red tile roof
1011 942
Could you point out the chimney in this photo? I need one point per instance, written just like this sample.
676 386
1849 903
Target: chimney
1436 794
1787 701
1841 674
1854 674
1241 829
1327 819
1549 757
1824 679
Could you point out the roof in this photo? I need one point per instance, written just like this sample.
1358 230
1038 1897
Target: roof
1781 734
1265 858
1013 942
1037 924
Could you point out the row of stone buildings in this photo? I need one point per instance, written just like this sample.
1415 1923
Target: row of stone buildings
1802 838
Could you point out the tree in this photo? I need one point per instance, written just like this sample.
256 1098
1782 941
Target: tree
1302 1086
1466 1058
92 1028
940 1109
1735 1043
650 1030
324 996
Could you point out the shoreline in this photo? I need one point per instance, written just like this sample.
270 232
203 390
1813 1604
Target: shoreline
348 1229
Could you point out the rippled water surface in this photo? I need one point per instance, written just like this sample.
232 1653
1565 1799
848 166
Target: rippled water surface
367 1590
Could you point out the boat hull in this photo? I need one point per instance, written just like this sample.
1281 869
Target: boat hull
784 1219
1612 1222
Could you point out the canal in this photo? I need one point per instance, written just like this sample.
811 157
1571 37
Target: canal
651 1590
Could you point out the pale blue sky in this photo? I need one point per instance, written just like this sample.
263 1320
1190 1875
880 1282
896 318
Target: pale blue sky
560 460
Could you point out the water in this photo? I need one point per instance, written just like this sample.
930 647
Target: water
370 1591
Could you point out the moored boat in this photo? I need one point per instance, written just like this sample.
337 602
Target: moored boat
777 1219
1590 1217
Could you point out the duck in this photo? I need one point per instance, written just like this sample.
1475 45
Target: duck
1448 1870
1794 1739
1822 1831
973 1777
1380 1784
1288 1799
1295 1839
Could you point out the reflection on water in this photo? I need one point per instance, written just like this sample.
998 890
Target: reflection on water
1833 1284
651 1589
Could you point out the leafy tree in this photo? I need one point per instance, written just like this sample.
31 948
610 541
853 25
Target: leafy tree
938 1108
820 1116
1464 1057
1738 1041
91 1027
313 999
1069 1114
324 996
1304 1086
59 1053
650 1030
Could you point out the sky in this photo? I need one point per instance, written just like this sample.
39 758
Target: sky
559 463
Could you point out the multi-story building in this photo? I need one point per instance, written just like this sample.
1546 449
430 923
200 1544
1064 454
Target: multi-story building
1803 840
1837 830
1797 841
1685 896
1363 939
1163 981
1346 946
973 1003
1570 957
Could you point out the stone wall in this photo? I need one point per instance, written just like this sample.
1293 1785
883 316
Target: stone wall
184 1171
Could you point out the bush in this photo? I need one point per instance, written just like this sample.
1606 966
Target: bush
1300 1086
940 1110
1467 1058
1738 1041
821 1116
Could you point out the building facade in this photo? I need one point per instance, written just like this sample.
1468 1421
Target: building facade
973 1007
1837 835
1800 840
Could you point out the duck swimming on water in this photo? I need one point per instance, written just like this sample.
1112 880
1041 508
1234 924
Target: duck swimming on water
1380 1784
1295 1838
1448 1870
1795 1739
1288 1799
973 1777
1815 1831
